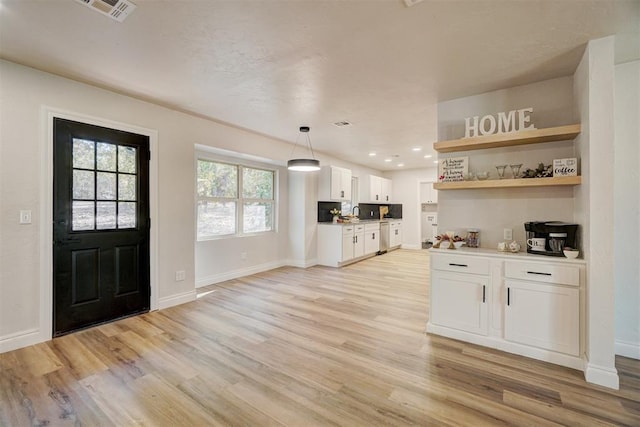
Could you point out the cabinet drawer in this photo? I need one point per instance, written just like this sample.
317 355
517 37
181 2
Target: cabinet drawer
347 229
545 273
372 227
460 264
359 228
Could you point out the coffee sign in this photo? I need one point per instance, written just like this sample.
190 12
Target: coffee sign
565 167
510 121
453 169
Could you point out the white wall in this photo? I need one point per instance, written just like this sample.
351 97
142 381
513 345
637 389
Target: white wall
23 147
627 210
493 210
594 91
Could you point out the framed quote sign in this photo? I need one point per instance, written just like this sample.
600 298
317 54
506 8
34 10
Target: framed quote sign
453 169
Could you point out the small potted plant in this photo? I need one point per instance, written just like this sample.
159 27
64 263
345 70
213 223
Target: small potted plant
336 214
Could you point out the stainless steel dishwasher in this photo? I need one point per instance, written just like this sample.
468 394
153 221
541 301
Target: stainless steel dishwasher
384 237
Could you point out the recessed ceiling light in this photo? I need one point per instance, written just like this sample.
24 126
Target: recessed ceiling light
342 124
428 156
371 154
400 165
416 149
387 160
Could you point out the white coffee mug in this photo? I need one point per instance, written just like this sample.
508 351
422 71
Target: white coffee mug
537 243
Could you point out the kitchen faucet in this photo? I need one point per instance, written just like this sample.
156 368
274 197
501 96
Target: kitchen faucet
353 211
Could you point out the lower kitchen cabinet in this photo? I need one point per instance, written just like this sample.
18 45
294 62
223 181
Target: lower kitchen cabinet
371 238
340 244
395 234
459 301
543 316
515 303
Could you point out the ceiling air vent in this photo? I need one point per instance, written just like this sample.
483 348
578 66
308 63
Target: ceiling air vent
342 124
115 9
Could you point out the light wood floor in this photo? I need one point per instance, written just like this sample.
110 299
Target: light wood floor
299 347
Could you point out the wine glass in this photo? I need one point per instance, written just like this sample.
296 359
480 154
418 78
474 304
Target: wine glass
515 170
501 169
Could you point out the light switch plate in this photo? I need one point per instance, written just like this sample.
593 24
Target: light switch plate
508 234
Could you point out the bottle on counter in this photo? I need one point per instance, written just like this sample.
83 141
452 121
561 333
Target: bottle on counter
473 238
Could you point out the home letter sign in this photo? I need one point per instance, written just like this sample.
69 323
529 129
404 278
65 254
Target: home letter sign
488 125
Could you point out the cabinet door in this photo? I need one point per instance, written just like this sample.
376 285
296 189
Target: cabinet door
347 247
358 244
544 316
345 183
371 241
374 189
385 189
459 301
337 189
396 235
433 199
428 194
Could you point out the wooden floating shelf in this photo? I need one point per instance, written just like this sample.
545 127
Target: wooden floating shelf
509 183
535 136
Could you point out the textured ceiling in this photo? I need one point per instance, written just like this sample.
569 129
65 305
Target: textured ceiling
270 66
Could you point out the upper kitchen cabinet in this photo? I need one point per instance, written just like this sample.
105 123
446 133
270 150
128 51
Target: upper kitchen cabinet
428 194
334 184
375 189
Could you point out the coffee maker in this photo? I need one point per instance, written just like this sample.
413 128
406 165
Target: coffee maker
550 237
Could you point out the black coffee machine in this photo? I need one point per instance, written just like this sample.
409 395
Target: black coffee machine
556 235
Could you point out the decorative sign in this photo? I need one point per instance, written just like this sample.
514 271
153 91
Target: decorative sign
565 167
511 121
453 169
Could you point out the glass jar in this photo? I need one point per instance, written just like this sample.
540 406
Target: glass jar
473 238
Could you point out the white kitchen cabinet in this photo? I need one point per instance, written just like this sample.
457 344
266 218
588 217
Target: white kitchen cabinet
428 194
371 238
340 244
459 301
395 234
334 184
543 316
531 305
375 189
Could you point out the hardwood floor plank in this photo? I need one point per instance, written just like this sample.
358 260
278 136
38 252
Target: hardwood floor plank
300 347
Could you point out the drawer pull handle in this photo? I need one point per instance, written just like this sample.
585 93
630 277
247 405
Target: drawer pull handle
538 273
458 265
484 290
508 296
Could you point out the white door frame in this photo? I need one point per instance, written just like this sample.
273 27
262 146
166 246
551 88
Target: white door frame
46 209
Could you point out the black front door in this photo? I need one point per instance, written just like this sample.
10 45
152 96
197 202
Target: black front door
100 225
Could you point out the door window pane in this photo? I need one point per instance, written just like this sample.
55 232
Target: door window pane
106 156
257 217
106 186
216 218
82 216
83 154
106 215
126 187
257 183
126 159
83 184
126 215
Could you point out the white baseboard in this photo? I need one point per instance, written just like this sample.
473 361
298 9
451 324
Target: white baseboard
176 299
21 339
302 263
628 349
234 274
601 375
408 246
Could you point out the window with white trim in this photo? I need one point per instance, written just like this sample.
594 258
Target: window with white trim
234 199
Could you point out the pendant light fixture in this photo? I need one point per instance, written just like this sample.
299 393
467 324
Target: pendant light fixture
304 165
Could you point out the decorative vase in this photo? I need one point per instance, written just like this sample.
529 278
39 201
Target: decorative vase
335 219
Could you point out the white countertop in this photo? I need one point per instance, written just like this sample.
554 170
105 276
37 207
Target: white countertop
362 221
506 255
